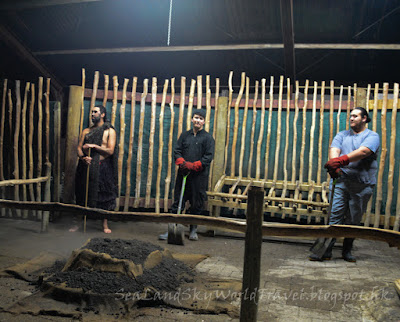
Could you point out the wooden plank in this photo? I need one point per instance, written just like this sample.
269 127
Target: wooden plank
236 125
252 255
267 147
392 160
121 151
378 200
253 126
160 146
389 236
130 148
170 138
140 143
151 140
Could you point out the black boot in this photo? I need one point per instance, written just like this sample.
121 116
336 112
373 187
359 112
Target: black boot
327 255
346 252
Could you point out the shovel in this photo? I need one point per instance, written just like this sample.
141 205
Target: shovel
321 244
176 231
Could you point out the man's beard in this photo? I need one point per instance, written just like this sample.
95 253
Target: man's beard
96 120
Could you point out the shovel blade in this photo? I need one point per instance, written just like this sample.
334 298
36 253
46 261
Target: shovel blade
176 234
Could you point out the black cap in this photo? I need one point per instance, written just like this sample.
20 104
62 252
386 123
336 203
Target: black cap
199 112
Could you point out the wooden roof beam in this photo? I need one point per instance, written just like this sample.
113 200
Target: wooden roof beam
288 38
215 48
25 53
29 4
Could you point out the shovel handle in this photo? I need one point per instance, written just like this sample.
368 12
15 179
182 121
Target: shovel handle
86 193
182 193
331 199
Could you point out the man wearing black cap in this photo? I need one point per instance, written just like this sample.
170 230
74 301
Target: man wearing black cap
353 162
193 154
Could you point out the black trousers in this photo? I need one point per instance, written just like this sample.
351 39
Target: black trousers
195 192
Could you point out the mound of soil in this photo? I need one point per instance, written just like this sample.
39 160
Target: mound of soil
166 276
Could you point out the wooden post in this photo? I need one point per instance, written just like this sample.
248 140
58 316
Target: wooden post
271 102
220 141
47 194
160 146
94 94
131 137
252 255
71 142
296 116
236 125
228 123
24 109
39 149
253 126
382 160
392 149
244 126
114 101
83 100
151 141
105 95
121 151
140 142
170 137
261 134
2 123
16 140
190 105
199 90
57 151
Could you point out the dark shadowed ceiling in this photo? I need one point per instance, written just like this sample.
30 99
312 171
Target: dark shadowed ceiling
130 38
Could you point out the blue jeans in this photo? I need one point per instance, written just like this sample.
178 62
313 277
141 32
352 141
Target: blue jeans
349 202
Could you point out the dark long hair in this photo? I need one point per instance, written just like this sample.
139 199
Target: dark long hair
363 113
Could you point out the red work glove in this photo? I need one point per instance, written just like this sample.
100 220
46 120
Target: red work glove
336 163
180 162
188 166
197 166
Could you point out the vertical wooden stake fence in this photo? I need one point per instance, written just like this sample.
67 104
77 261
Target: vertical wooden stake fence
16 141
2 124
252 255
253 127
295 119
236 126
39 156
83 101
228 123
140 143
261 134
94 94
30 142
23 150
190 105
151 141
381 167
208 104
244 127
121 151
171 132
114 101
131 137
160 146
391 156
271 103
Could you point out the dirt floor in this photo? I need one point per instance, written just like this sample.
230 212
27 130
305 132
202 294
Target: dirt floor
292 288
